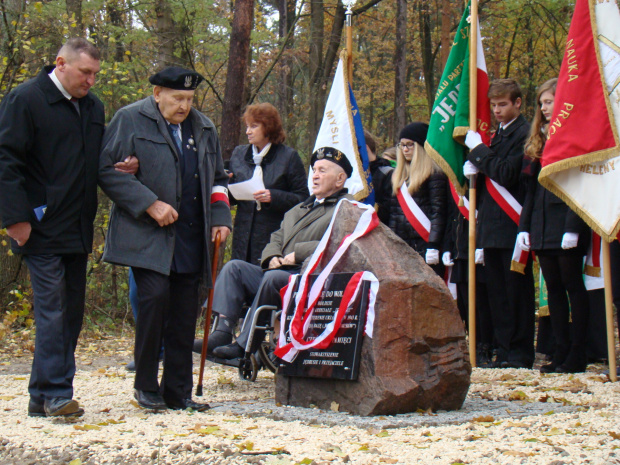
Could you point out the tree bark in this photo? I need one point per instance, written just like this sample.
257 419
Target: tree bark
165 31
286 9
400 64
427 52
235 79
74 10
446 26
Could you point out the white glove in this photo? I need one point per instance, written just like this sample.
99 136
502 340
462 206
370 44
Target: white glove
479 257
432 256
523 241
446 258
569 240
472 139
469 169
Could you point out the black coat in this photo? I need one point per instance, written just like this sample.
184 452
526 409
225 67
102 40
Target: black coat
49 155
285 177
546 217
502 162
381 172
431 198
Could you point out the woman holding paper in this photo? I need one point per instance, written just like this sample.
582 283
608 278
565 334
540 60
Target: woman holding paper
282 173
417 198
560 239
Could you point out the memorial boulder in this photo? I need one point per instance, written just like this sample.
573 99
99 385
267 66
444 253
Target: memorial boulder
418 356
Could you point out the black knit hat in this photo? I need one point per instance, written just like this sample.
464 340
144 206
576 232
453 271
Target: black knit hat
176 78
333 155
415 132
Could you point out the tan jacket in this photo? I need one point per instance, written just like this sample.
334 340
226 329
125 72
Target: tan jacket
301 229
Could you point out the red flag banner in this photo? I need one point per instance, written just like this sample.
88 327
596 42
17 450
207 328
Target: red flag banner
581 162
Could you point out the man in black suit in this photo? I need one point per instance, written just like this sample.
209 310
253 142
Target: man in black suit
51 129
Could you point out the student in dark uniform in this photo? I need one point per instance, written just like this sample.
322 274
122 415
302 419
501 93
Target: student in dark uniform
511 294
161 223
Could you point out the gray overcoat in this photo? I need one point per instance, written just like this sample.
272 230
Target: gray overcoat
134 238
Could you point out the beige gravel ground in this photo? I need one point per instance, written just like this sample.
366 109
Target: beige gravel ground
509 417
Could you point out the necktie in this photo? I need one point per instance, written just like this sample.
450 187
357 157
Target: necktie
176 136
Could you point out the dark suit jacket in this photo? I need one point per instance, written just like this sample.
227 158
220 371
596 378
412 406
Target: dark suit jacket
49 155
502 162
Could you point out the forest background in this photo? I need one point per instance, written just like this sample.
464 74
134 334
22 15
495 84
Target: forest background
278 51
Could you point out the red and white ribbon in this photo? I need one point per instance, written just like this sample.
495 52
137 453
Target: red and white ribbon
512 208
593 259
302 317
504 199
414 214
461 202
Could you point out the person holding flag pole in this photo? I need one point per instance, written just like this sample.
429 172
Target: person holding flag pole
582 171
461 103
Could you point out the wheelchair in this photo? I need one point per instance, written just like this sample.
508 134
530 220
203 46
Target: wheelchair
258 354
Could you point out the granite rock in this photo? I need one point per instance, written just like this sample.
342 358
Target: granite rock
417 358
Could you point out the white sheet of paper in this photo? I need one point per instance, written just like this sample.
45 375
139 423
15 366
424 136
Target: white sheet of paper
245 190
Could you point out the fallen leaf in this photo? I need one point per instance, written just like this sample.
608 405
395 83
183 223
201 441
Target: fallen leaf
614 435
75 462
86 428
517 395
516 453
484 419
7 397
334 406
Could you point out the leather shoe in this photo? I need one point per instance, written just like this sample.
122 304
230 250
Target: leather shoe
150 400
187 404
35 409
216 339
229 352
62 407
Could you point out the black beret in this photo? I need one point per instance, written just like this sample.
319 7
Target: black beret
176 78
415 132
334 155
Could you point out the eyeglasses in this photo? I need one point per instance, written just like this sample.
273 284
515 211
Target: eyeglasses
408 145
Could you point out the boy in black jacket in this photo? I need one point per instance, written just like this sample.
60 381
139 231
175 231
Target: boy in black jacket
511 293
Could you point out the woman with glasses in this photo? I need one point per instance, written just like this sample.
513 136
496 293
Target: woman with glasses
417 197
560 239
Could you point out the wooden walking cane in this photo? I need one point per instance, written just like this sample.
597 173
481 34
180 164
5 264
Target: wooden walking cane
205 341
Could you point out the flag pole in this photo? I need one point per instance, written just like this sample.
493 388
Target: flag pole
609 313
349 45
473 123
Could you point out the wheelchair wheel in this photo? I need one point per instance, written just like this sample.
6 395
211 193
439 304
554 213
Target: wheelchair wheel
248 368
267 356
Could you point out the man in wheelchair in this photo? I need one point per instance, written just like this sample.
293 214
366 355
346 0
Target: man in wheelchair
241 283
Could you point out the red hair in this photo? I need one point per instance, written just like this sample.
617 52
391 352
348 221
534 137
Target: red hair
267 115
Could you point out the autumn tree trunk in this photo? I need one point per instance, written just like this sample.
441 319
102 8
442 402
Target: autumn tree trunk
286 9
74 10
426 47
235 79
400 65
446 25
165 31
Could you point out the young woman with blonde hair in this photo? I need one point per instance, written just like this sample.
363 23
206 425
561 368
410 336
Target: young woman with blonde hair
560 239
417 178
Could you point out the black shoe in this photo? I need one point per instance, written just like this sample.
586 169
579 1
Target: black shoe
484 356
229 352
62 407
216 339
131 366
35 409
187 404
549 368
150 400
576 362
516 364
